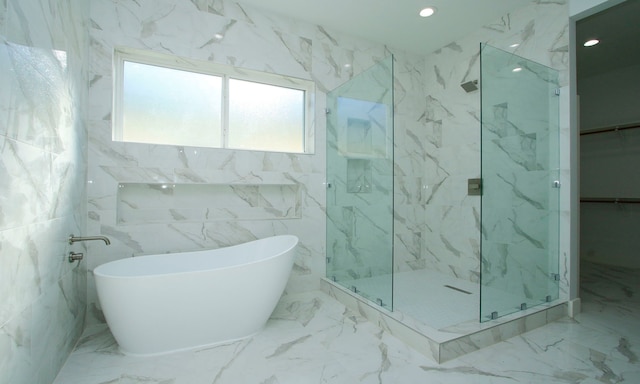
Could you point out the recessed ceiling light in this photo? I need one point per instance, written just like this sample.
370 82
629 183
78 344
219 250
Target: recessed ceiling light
514 45
591 43
428 11
516 69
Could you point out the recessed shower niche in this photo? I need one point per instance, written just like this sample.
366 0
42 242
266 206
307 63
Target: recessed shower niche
358 137
143 203
358 176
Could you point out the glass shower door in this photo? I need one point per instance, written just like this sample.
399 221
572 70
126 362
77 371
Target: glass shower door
360 184
520 173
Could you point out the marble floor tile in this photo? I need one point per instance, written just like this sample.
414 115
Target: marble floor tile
312 338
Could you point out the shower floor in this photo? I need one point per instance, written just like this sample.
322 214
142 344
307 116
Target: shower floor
429 297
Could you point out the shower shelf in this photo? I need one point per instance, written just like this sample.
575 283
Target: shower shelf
144 203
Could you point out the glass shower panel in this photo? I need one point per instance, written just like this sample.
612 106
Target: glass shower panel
520 170
360 184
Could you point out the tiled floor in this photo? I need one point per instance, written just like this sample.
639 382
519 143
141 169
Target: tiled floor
314 339
418 293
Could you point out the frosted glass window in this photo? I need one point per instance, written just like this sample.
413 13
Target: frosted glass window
170 106
165 99
265 117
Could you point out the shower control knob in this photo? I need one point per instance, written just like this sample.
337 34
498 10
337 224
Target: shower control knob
75 256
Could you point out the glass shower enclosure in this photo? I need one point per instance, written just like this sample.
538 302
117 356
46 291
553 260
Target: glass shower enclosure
360 184
520 183
519 142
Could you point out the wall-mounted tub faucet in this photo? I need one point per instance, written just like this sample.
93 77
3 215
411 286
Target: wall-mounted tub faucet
73 239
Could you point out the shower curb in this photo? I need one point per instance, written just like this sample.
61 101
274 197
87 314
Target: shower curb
444 346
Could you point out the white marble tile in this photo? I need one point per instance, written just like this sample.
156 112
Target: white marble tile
453 119
42 168
252 39
259 40
312 338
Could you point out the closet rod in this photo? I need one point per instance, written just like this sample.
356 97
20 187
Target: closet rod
624 200
610 129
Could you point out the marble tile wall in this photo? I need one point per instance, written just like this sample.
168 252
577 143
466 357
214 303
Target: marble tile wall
451 239
410 153
42 136
436 143
139 204
256 40
43 92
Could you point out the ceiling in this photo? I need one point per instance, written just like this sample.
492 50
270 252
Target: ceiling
396 22
618 29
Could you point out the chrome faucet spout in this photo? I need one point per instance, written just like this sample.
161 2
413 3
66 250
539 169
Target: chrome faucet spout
73 239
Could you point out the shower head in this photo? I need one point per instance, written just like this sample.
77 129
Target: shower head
470 86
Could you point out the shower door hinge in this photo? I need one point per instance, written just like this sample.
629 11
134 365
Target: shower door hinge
327 111
557 91
328 260
555 276
474 187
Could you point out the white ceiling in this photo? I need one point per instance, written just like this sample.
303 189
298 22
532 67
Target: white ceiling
396 22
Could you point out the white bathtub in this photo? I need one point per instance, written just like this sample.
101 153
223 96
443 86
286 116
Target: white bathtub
166 303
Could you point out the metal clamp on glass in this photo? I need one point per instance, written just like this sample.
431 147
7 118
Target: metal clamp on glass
474 187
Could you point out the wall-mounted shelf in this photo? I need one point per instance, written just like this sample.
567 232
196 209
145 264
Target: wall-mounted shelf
615 128
615 200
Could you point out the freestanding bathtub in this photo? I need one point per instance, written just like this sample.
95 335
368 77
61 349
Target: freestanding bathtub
170 302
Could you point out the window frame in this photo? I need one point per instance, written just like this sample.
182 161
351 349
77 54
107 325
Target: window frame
226 72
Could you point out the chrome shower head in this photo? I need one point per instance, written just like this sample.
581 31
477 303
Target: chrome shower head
470 86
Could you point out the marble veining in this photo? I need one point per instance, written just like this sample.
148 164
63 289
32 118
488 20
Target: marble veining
49 51
312 338
227 32
451 146
43 93
436 143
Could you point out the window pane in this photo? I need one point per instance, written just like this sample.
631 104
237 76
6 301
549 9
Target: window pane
265 117
170 106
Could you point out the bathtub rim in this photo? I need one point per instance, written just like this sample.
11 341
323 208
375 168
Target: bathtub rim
98 274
